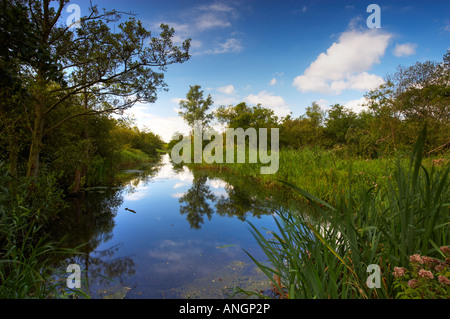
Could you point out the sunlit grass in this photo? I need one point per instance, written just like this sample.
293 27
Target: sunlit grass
328 256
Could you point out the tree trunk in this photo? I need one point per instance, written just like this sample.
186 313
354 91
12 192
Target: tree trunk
13 149
36 141
76 185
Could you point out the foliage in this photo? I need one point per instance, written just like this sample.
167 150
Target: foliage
194 108
244 116
26 251
426 278
327 256
95 68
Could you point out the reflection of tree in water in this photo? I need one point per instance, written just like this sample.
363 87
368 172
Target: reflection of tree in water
89 221
103 269
196 202
240 202
244 198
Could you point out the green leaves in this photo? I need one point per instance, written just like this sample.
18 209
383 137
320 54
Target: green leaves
195 107
326 256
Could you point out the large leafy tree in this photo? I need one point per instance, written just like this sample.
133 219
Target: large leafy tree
244 116
412 96
101 65
194 109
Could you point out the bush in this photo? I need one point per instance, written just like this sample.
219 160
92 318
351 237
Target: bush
426 278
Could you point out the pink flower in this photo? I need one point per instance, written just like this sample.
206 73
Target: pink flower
439 268
445 250
430 262
399 271
426 274
416 259
413 283
443 280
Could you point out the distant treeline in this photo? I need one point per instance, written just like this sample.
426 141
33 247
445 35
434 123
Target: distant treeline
393 116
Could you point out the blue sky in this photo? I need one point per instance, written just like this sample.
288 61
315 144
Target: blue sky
285 54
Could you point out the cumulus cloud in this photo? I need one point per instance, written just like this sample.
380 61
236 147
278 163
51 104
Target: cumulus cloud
273 82
200 19
163 126
405 49
345 64
229 89
357 105
267 99
231 45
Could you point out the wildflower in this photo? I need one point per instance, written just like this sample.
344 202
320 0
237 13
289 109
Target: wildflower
416 259
445 250
413 283
426 274
430 262
443 280
399 271
439 268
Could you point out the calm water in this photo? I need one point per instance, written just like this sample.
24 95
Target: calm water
170 233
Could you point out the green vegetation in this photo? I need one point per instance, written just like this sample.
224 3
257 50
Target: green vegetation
62 92
372 202
327 256
60 89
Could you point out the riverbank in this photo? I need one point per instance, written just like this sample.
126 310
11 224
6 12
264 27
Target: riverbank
380 226
323 172
29 206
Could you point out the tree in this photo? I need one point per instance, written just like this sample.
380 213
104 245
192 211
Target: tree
315 114
244 116
410 97
339 121
194 109
17 37
113 70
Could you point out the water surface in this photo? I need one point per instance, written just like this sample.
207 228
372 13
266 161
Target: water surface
170 233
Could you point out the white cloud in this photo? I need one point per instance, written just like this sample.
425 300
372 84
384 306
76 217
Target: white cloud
273 82
356 105
323 103
229 89
405 49
267 99
219 7
345 64
225 100
200 19
231 45
163 126
210 20
447 26
176 100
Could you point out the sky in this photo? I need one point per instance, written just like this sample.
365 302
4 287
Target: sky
285 54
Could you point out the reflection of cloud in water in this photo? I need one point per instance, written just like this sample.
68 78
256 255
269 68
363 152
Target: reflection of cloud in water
178 185
173 251
141 193
217 183
166 171
177 195
182 255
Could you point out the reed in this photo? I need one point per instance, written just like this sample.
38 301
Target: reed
27 254
327 256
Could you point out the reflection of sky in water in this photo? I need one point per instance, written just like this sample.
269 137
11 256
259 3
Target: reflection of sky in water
166 251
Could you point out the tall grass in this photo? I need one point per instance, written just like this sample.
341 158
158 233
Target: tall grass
319 171
328 256
27 254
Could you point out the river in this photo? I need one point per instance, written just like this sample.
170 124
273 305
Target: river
169 232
